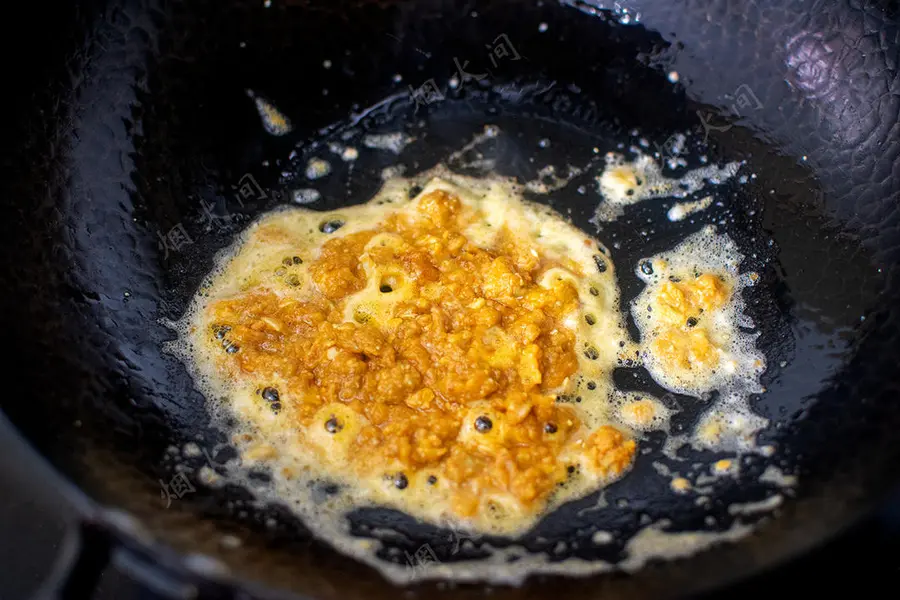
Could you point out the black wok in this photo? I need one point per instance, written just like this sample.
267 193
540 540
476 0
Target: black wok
132 121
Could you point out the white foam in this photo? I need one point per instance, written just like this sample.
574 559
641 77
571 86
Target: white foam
549 180
317 168
306 196
623 183
682 210
392 142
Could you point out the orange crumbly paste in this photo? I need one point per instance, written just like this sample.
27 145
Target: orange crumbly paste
457 384
683 343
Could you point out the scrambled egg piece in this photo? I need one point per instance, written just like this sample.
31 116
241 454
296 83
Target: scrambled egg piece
682 300
639 413
683 340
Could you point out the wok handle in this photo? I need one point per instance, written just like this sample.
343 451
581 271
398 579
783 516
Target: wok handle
85 555
92 549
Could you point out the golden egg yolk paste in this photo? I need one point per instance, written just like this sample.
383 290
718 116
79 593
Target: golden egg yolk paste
445 379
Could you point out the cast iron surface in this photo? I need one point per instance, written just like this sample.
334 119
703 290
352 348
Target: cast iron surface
136 121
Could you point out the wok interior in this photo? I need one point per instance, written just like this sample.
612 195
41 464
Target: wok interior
160 129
